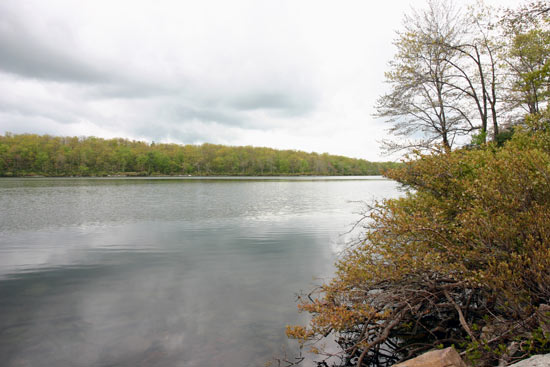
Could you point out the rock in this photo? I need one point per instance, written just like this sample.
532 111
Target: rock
447 357
542 360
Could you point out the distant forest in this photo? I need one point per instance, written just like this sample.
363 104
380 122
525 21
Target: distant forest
44 155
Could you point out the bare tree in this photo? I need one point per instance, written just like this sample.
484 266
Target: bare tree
445 77
477 75
422 105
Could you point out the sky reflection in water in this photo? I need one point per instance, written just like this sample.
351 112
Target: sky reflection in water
164 272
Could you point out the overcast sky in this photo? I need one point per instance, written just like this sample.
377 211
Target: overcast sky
290 74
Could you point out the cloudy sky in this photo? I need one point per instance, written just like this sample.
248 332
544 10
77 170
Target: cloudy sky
285 74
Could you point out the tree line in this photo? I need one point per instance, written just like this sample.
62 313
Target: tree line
29 154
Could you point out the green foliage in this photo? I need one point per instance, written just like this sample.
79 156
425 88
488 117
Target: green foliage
504 136
479 138
528 58
463 259
28 154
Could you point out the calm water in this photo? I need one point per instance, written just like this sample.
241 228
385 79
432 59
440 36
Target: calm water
164 272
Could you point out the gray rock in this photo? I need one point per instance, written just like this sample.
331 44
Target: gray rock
542 360
447 357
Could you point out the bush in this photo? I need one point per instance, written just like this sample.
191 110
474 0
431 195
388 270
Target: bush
463 259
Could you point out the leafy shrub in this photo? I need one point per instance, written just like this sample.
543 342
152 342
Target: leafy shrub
462 259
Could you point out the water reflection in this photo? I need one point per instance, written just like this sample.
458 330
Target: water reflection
156 273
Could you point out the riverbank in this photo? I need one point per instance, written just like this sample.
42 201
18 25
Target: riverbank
44 155
185 176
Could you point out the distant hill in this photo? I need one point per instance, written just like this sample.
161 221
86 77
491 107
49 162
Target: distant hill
30 154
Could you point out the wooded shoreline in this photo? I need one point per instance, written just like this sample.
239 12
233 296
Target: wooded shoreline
29 155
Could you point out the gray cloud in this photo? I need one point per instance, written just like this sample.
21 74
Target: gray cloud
129 89
172 107
25 54
185 131
183 111
32 112
286 103
156 102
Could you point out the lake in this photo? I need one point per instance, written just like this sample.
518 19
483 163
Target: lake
165 271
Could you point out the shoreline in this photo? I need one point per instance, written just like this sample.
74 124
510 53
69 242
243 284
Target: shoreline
192 176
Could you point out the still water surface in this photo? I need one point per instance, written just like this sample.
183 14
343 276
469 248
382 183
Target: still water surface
165 272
